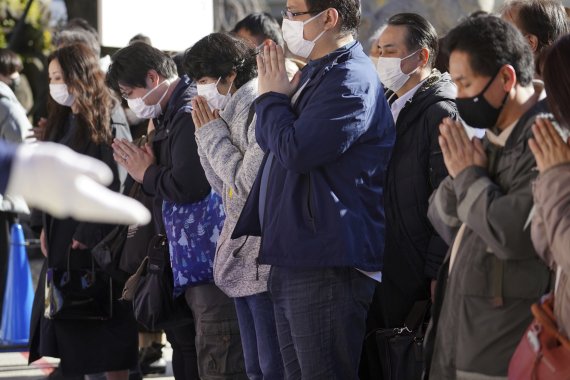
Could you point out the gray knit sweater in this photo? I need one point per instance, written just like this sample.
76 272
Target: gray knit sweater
231 158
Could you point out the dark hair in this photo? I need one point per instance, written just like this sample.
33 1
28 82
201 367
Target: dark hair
348 10
421 34
492 43
10 62
140 38
546 19
131 65
556 76
85 79
217 54
261 25
67 37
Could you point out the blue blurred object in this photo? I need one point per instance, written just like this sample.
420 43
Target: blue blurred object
19 294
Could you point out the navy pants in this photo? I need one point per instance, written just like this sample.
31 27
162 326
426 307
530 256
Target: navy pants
320 315
259 337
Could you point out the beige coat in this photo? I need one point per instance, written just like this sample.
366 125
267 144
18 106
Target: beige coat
551 233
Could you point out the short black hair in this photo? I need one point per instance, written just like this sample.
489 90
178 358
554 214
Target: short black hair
131 65
10 62
492 43
217 54
348 10
546 19
421 34
261 24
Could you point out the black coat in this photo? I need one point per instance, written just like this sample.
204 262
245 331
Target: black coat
177 175
114 342
413 250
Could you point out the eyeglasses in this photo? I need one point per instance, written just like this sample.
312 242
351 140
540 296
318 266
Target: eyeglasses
289 15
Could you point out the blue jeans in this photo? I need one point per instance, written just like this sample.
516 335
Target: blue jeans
320 315
259 337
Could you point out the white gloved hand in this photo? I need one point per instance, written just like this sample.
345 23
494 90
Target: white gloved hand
54 178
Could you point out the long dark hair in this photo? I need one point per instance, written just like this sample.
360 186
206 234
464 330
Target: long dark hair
85 79
556 76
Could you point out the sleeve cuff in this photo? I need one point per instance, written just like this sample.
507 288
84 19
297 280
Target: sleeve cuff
150 178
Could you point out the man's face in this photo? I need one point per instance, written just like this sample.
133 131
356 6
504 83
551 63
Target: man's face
312 29
128 92
470 83
392 44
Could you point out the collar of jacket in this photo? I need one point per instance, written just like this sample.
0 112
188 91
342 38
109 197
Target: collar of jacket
436 87
315 70
179 100
240 100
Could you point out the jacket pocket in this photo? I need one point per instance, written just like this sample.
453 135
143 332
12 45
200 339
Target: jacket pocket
309 204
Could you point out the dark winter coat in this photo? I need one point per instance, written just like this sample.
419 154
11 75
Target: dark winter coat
414 251
177 175
112 342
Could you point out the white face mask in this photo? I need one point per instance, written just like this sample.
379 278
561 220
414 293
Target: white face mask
210 92
145 111
60 94
293 36
391 74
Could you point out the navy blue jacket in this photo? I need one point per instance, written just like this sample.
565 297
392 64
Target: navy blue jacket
324 204
7 152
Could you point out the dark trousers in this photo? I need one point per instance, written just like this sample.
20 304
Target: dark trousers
259 337
320 315
216 339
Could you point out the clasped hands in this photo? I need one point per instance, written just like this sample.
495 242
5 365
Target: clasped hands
459 152
272 75
134 159
548 146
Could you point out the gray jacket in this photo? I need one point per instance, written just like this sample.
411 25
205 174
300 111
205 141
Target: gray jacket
14 124
231 158
496 275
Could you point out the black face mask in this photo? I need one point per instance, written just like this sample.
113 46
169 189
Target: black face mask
477 112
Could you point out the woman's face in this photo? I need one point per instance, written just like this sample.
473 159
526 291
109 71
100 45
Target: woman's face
55 72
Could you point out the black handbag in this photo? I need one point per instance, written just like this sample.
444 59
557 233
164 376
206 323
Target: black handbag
400 350
153 299
107 253
83 292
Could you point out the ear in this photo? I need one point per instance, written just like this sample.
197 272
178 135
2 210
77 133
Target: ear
153 77
424 56
508 77
532 41
231 77
332 19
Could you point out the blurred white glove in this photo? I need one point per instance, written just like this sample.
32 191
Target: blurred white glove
54 178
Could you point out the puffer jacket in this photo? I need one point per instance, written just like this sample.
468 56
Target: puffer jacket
231 158
550 234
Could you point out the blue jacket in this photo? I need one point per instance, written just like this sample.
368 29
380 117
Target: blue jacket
324 203
7 152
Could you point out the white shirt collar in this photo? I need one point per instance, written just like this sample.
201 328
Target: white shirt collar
400 103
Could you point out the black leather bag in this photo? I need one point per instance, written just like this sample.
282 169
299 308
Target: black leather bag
154 304
80 292
400 350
